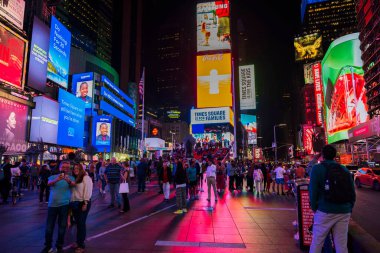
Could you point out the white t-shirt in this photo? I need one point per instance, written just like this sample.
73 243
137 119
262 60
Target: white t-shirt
211 171
279 172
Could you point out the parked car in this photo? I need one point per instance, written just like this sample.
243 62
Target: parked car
368 177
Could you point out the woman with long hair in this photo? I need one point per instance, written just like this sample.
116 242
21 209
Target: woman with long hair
81 203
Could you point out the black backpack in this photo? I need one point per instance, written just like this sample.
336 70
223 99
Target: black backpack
338 185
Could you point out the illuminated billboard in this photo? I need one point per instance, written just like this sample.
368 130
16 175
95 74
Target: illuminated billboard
213 26
214 80
308 47
247 87
82 87
344 87
13 10
102 133
39 48
45 118
212 115
250 125
308 73
307 134
59 53
71 120
13 51
318 90
13 123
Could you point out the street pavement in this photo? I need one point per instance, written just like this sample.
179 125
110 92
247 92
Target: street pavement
238 222
366 211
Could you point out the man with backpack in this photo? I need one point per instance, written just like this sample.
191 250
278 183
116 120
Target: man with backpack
332 197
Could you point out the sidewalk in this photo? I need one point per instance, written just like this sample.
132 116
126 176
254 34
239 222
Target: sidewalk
236 223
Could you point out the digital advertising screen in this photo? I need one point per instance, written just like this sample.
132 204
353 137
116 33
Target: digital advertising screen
308 73
308 47
45 118
247 87
82 87
213 26
101 132
13 123
211 115
59 53
39 48
345 104
103 105
71 120
214 80
13 51
13 10
117 90
307 134
116 101
250 125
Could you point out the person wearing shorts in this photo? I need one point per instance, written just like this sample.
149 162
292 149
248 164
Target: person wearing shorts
280 171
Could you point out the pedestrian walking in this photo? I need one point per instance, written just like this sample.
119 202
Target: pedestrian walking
250 177
211 180
160 165
102 178
231 175
192 178
112 177
5 179
332 198
142 170
220 177
258 178
180 180
58 206
280 171
44 175
125 178
81 203
165 176
263 169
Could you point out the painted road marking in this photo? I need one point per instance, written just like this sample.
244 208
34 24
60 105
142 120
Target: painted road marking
200 244
270 208
124 225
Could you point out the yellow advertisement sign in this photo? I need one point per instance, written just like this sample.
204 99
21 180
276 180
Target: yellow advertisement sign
214 80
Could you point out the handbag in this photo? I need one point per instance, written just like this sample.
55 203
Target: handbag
124 187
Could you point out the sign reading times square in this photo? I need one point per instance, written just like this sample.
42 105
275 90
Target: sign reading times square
211 115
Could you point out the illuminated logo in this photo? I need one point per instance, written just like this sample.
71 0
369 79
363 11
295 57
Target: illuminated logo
70 131
155 131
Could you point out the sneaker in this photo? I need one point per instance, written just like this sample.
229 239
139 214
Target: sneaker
184 210
48 250
178 212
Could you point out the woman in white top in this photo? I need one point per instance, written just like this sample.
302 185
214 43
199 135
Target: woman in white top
258 177
81 203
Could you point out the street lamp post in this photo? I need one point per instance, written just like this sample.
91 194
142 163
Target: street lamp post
275 140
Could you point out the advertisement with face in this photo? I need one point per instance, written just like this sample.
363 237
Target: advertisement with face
13 10
82 87
214 80
250 125
102 132
45 116
38 55
59 53
308 47
71 120
13 122
213 26
345 104
13 50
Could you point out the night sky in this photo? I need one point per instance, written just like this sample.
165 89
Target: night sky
269 27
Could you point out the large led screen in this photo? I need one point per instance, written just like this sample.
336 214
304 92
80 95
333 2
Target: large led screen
45 118
213 26
39 48
13 50
13 123
211 115
343 86
59 53
308 47
214 80
250 125
71 120
13 10
247 87
82 87
101 133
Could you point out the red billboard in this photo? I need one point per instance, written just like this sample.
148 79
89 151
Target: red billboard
308 139
318 92
13 122
13 50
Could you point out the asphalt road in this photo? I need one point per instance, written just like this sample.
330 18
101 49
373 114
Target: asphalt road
367 211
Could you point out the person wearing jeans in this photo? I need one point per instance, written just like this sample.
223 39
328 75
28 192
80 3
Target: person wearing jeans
329 216
112 177
58 206
81 203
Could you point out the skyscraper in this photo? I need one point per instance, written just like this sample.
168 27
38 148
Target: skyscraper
331 18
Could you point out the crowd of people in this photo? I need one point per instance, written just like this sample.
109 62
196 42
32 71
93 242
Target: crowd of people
67 187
